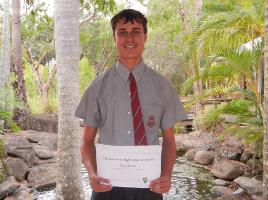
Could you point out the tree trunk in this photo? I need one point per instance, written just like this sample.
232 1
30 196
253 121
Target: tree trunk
17 68
265 107
5 50
69 181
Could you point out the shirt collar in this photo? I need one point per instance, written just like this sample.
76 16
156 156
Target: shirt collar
124 72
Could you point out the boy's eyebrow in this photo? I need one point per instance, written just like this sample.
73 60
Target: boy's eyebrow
123 29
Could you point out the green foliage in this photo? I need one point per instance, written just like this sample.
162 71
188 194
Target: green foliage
209 120
97 44
241 107
7 103
87 74
3 171
251 133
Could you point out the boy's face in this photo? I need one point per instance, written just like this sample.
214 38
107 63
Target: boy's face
129 39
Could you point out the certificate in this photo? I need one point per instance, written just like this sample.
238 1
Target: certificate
129 166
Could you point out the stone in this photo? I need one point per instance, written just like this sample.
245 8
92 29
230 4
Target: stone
243 196
227 169
231 153
43 152
43 176
220 182
8 187
40 122
198 142
228 118
251 185
246 155
24 193
45 139
204 157
218 191
190 154
17 168
21 148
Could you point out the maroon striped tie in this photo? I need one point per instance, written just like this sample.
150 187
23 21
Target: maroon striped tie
138 125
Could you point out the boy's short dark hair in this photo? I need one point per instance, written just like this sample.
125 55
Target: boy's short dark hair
129 15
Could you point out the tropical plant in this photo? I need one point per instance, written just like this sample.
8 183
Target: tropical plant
69 181
7 103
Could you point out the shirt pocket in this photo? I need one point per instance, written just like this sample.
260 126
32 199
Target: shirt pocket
151 118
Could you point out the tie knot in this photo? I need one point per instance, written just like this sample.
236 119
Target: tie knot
131 77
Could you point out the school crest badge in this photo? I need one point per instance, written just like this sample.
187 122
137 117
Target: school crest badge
151 121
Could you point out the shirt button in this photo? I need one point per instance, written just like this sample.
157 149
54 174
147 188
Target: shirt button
128 132
128 113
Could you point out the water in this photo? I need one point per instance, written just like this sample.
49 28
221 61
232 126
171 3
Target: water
189 182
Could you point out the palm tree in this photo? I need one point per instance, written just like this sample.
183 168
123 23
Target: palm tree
5 51
265 105
69 182
17 68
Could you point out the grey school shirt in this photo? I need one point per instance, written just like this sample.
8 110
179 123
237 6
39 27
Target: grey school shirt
106 105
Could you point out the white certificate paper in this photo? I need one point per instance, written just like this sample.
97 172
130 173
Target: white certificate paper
129 166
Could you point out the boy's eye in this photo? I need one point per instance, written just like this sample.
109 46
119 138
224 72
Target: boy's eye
122 33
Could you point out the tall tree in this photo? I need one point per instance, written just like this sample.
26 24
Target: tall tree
5 50
265 105
17 68
69 182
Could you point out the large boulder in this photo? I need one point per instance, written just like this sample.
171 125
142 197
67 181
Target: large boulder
8 187
45 139
24 193
218 191
204 157
43 152
190 154
17 167
220 182
40 122
21 148
227 169
196 141
246 155
231 153
251 185
43 176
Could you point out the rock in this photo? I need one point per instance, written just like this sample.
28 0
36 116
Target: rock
228 118
43 176
231 153
198 142
51 160
243 196
204 157
251 185
227 169
218 191
8 187
45 139
24 193
220 182
246 155
17 167
180 149
190 154
41 122
21 148
43 152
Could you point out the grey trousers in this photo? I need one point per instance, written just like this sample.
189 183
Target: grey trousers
121 193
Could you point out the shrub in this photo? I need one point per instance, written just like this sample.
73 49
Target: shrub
240 107
208 120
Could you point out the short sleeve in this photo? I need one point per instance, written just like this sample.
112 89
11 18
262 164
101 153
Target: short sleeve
88 108
173 109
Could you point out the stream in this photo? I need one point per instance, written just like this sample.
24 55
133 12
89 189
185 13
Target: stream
189 182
